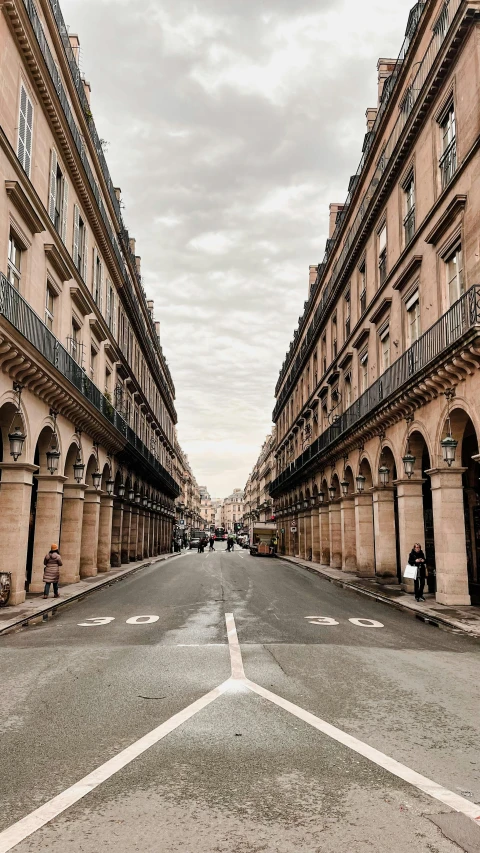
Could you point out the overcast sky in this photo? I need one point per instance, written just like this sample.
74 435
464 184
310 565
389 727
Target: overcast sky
231 126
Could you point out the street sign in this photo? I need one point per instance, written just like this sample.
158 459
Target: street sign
293 529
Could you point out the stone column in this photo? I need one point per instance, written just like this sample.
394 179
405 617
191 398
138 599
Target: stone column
308 534
411 527
140 533
91 520
126 527
450 539
325 535
364 535
385 534
316 534
105 533
146 534
117 533
133 534
349 546
71 531
47 523
15 500
335 531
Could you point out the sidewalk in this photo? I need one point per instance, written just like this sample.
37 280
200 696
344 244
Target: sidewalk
466 619
36 609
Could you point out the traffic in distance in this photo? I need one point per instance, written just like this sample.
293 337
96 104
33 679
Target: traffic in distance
259 540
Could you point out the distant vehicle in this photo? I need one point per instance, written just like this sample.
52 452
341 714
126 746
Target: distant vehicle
195 537
220 534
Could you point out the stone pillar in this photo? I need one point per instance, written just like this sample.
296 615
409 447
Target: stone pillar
140 533
146 534
71 531
126 527
15 500
117 533
91 520
385 534
316 535
349 548
364 535
133 534
47 524
308 534
324 536
411 527
335 532
450 538
105 533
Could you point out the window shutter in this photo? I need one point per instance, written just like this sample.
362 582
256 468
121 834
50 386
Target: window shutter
108 303
101 288
52 196
85 255
95 283
25 126
64 210
76 233
114 314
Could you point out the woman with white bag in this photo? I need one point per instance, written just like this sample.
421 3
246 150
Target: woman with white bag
417 559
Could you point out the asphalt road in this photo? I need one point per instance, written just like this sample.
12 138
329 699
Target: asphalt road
242 774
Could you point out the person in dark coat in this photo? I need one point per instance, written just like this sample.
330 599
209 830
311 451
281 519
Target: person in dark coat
212 543
51 572
417 558
230 543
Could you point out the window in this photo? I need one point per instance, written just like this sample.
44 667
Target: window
25 131
74 344
49 305
93 364
111 309
97 280
58 196
348 390
382 253
413 318
455 278
80 244
364 371
409 219
14 262
448 160
362 289
324 354
385 348
347 313
334 336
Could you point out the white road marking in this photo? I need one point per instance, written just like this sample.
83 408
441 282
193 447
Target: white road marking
367 623
234 646
142 620
25 827
321 620
96 620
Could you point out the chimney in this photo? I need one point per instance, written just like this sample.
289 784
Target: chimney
87 89
132 243
150 306
371 115
385 68
118 193
138 264
312 277
157 328
75 45
334 209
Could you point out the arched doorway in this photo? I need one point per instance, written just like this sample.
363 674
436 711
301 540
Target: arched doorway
422 527
364 529
335 525
385 514
471 503
349 544
15 502
45 510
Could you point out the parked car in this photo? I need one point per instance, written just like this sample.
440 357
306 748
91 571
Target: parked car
194 541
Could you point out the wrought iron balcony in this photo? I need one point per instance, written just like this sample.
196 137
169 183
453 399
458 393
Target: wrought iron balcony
448 163
19 313
443 337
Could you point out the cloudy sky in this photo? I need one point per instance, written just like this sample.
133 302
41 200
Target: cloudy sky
231 125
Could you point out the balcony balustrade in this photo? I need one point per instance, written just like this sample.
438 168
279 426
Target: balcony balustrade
443 337
19 314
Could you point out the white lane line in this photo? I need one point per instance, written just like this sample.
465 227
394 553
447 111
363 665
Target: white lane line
438 792
16 833
234 646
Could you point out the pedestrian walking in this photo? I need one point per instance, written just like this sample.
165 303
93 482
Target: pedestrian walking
417 558
51 572
212 543
230 543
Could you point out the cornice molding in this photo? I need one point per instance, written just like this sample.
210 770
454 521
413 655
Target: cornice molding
55 260
410 270
27 211
456 206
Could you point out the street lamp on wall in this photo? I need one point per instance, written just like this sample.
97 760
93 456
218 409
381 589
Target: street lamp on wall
321 497
96 476
384 475
110 486
53 453
449 444
360 481
332 491
17 437
131 495
121 490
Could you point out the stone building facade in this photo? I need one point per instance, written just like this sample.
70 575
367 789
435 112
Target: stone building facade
188 506
231 510
258 508
87 409
378 399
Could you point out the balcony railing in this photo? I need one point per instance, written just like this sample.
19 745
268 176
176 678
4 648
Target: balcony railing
144 320
409 225
448 163
463 316
423 70
19 313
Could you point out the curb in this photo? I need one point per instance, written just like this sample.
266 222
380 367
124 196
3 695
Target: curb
428 617
49 611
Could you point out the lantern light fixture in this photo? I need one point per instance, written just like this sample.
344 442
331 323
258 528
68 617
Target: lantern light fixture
384 475
360 481
344 487
138 498
313 500
144 501
131 495
53 453
409 464
305 504
449 444
78 465
17 437
110 486
149 504
321 497
121 490
332 491
97 479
